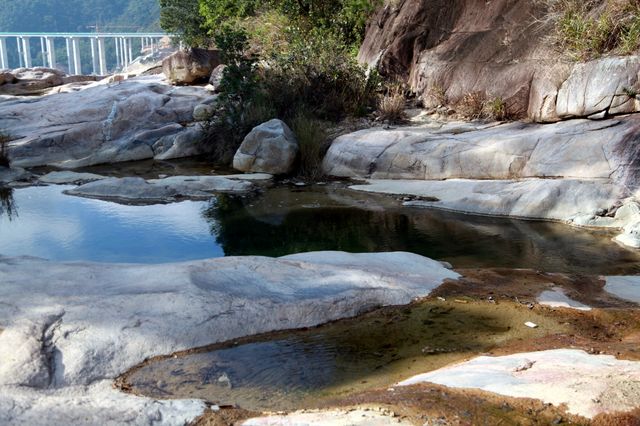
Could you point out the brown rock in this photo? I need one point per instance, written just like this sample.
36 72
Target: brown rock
188 67
449 48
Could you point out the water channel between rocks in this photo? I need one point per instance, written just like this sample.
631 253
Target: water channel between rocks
43 222
295 368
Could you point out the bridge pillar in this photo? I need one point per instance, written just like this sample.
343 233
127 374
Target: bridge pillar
118 56
94 56
130 46
102 56
51 52
4 57
123 52
26 51
43 52
77 65
69 55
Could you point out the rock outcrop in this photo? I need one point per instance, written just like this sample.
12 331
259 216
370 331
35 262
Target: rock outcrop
68 329
445 49
576 149
35 81
190 66
136 119
577 171
269 148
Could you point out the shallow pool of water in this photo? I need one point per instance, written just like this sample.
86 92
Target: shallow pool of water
291 370
46 223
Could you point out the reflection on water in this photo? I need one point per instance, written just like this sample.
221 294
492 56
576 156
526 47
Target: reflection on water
7 203
60 227
283 221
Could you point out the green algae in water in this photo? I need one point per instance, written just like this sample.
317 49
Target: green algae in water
295 369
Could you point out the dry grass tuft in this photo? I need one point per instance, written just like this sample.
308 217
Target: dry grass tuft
391 106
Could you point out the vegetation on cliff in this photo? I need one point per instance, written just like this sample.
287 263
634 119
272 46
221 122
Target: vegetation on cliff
591 28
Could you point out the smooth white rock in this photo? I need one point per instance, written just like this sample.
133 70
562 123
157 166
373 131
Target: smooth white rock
356 417
581 149
81 323
554 199
97 404
135 119
588 384
599 86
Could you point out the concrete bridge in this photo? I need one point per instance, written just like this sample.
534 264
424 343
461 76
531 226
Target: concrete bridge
103 46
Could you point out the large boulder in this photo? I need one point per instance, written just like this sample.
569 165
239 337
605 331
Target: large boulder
136 119
36 81
190 66
269 148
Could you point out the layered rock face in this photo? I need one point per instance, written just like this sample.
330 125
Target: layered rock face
136 119
448 48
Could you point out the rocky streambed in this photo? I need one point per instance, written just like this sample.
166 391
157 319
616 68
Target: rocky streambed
557 324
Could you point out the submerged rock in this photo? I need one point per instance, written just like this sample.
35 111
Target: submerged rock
170 189
587 384
270 148
136 119
95 321
67 177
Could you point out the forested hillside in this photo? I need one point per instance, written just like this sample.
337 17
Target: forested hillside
79 15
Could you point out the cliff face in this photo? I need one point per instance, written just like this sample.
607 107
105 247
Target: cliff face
448 48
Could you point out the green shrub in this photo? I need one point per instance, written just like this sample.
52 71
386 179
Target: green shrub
317 73
313 142
240 106
182 18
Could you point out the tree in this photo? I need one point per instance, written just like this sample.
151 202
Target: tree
183 18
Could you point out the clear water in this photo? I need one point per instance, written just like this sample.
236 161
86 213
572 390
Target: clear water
48 224
44 222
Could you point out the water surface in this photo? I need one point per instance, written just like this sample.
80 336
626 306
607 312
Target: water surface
284 220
